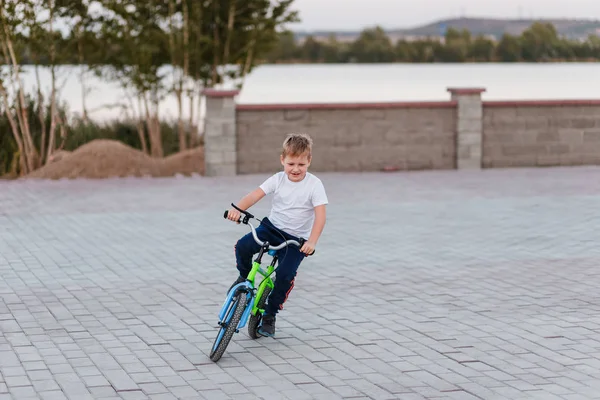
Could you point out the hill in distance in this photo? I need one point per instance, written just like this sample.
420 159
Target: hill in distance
572 28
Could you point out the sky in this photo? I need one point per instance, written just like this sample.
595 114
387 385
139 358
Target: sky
357 14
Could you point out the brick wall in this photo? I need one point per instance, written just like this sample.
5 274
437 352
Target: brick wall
549 133
463 133
348 137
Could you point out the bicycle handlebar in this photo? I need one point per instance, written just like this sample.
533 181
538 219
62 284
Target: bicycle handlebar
245 220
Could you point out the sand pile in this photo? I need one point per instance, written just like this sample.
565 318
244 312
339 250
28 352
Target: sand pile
58 155
185 162
109 158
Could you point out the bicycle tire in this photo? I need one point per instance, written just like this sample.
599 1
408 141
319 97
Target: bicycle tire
237 309
254 320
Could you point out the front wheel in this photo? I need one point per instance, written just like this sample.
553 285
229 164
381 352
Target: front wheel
254 320
230 323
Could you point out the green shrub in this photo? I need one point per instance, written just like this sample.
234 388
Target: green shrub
78 133
8 149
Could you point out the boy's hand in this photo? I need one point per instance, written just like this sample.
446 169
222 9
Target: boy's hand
308 248
234 215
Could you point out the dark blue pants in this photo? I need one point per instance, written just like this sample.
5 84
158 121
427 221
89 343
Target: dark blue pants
289 258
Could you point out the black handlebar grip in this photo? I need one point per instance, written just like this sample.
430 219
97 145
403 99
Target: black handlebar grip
227 213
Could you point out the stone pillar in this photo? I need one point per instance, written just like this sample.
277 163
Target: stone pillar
469 138
220 152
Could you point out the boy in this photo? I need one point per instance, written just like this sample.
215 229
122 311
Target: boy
298 211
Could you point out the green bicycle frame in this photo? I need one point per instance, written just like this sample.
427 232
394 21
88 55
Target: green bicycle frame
266 282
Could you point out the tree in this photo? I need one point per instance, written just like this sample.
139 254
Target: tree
332 50
508 49
424 50
135 49
257 26
285 49
405 51
565 50
372 46
179 34
48 37
455 48
539 42
211 43
13 16
81 47
481 49
312 50
593 47
206 44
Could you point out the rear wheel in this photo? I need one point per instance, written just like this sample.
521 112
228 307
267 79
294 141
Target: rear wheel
254 320
230 323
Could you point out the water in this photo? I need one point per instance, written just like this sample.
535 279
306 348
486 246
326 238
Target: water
408 82
341 83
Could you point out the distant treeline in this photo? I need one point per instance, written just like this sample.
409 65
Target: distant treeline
539 43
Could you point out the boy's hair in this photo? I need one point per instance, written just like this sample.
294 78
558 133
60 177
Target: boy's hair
296 144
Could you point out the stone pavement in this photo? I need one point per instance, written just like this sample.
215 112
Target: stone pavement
425 285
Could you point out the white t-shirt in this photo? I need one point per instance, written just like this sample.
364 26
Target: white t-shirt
293 205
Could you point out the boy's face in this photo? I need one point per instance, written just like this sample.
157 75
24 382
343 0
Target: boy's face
295 167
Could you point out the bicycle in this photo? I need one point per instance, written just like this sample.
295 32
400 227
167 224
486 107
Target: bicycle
240 306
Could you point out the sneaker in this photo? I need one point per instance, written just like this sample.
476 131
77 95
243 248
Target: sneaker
238 280
267 328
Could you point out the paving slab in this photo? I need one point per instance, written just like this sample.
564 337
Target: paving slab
432 284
